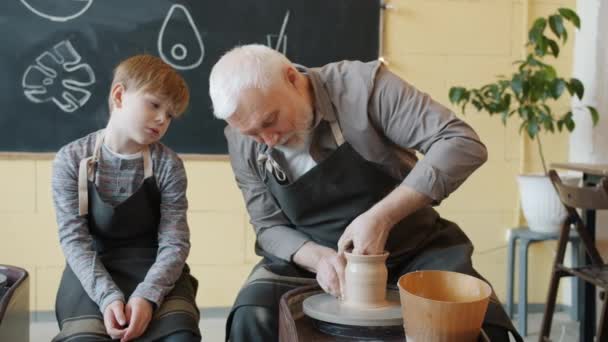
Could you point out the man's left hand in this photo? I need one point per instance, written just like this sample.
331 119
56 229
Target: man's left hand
139 313
366 234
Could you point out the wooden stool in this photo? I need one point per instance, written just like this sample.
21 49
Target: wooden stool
597 273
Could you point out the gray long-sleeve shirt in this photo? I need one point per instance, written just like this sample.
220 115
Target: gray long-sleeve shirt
116 179
384 118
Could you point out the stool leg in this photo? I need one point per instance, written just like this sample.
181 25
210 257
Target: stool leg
556 274
522 309
576 281
510 272
602 330
545 330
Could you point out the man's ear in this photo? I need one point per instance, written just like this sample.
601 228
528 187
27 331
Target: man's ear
118 90
291 75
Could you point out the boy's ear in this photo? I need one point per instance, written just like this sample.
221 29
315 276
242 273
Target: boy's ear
118 91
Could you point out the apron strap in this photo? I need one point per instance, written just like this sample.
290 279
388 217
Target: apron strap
98 142
87 173
337 132
147 162
269 165
83 196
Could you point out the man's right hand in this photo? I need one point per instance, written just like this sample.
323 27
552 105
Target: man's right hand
114 319
330 274
326 263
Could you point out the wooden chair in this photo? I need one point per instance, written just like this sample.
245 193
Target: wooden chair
597 272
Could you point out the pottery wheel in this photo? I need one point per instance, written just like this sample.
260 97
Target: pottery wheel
327 308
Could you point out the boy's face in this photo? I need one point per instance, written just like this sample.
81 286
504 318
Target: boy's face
143 116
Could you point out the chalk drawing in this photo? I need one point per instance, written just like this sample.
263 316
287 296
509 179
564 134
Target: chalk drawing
177 52
59 76
58 10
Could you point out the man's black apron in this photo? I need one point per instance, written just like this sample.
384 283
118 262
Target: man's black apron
126 241
323 201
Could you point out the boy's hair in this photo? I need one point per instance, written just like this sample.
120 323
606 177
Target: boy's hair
151 74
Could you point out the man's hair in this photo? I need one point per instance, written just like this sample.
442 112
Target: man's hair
244 67
151 74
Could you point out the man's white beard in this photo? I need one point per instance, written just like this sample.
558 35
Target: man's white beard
294 140
300 137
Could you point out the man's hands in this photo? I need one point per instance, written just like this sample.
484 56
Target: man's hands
127 322
329 265
366 235
326 263
330 274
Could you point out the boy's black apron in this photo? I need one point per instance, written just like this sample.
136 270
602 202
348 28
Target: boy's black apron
323 201
126 242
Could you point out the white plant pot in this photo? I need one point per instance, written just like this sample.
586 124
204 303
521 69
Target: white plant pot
540 203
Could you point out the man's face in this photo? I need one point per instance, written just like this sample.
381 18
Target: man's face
280 116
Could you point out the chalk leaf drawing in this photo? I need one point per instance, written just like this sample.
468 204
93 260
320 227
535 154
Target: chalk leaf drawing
59 76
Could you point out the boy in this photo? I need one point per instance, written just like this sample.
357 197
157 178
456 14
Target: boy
120 201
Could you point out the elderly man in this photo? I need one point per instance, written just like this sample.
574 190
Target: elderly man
324 159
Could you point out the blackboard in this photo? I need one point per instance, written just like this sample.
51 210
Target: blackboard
56 57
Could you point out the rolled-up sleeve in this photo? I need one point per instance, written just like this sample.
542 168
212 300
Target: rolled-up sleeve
274 233
411 119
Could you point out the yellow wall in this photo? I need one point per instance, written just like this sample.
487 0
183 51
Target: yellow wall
433 44
436 44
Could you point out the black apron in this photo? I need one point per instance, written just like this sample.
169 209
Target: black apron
321 204
126 241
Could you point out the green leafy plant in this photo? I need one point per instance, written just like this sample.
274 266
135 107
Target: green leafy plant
528 91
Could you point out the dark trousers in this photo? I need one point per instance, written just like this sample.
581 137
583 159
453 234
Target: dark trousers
181 336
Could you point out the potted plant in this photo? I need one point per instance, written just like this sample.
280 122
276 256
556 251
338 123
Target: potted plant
528 93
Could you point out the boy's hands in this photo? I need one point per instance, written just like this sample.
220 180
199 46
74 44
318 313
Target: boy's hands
127 322
138 312
114 319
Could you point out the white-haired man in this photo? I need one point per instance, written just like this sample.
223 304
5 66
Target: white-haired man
324 160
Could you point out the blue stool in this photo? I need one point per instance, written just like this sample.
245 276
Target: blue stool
527 237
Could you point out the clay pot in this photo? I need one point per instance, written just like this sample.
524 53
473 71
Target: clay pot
442 306
365 280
